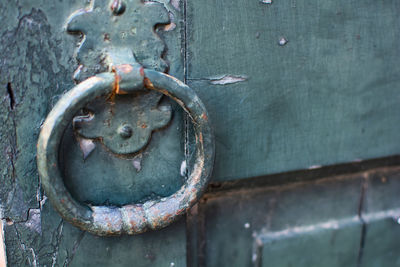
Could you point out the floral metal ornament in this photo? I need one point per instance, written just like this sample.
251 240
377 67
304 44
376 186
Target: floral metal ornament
119 24
130 131
114 33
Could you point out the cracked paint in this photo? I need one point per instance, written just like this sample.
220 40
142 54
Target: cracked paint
33 222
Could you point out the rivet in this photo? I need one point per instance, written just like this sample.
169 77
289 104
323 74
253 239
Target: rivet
118 7
125 131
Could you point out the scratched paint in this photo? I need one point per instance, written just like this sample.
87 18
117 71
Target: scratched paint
228 79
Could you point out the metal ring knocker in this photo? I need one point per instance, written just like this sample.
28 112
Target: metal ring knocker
132 218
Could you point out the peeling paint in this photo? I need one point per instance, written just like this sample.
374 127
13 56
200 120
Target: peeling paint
87 146
228 79
170 27
42 201
34 222
282 41
34 257
137 162
183 169
176 4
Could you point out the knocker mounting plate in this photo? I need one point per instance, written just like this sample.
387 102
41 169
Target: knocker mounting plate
114 33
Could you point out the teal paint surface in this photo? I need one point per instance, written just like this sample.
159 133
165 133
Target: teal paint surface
329 95
238 226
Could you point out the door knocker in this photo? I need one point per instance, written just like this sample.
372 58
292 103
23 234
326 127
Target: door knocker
122 74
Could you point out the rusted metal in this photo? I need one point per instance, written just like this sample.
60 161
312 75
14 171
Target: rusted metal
133 218
129 127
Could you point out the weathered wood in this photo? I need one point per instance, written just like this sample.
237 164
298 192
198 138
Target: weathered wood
36 67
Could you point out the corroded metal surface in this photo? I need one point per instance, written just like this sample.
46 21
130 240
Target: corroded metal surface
112 25
120 126
117 34
132 218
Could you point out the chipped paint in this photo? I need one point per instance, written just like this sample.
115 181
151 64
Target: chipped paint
312 167
137 162
183 169
228 79
34 221
170 27
86 146
283 41
176 4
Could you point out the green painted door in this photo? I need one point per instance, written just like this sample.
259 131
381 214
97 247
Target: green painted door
303 100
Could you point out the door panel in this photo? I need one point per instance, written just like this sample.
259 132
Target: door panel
340 220
259 223
328 96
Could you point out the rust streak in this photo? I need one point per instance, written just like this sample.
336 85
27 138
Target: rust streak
148 84
115 89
